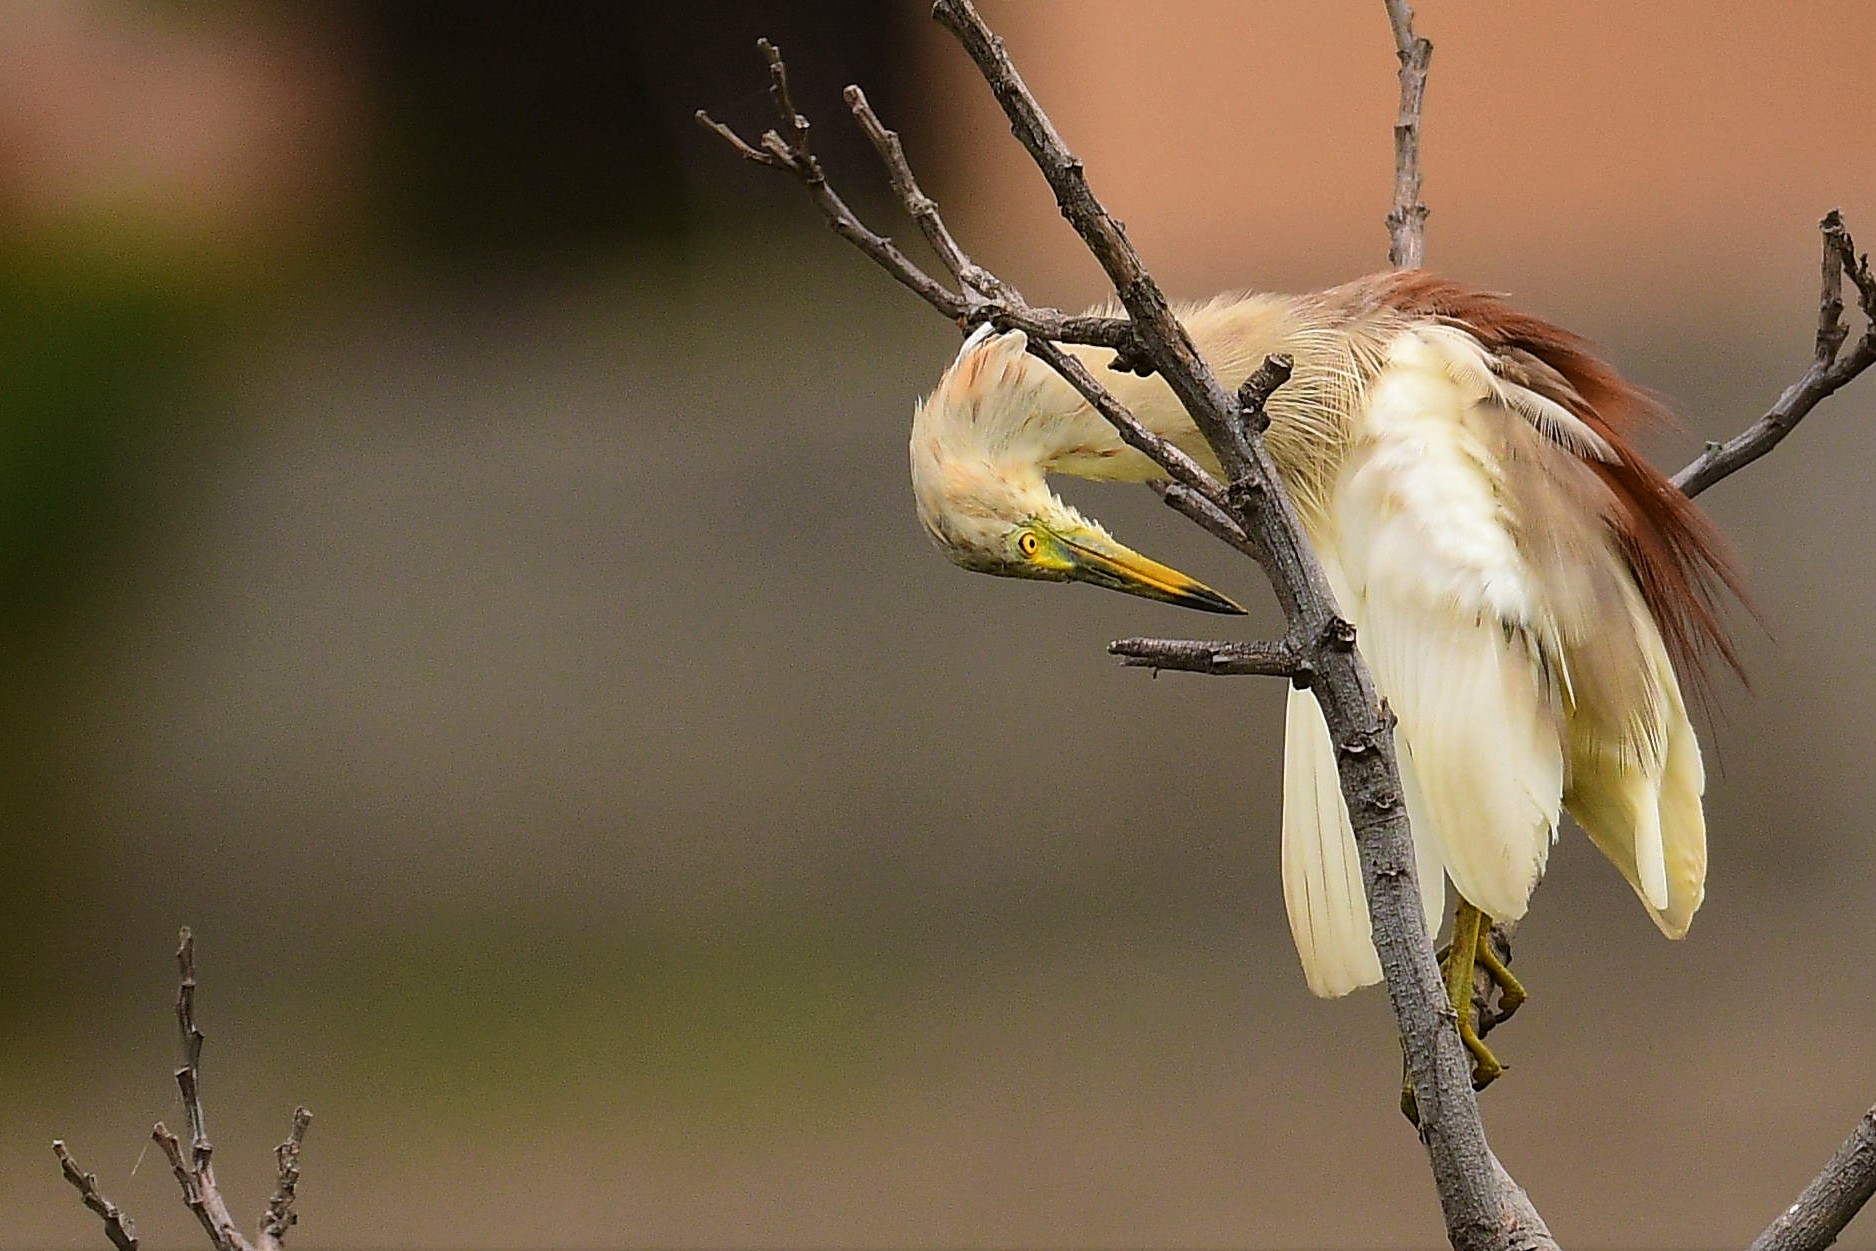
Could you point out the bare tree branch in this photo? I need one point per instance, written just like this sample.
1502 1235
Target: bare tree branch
280 1216
1834 1196
1407 222
1831 367
1483 1207
981 296
1279 660
195 1173
118 1227
193 1167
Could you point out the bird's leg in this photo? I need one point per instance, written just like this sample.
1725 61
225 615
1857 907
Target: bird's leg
1470 948
1468 924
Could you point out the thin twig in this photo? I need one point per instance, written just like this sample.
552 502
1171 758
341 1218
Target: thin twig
222 1233
1834 1196
280 1216
982 297
1407 222
1831 366
118 1226
188 1077
791 156
1282 659
1209 516
1186 471
198 1187
920 207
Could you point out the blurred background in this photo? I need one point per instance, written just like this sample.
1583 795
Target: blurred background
456 555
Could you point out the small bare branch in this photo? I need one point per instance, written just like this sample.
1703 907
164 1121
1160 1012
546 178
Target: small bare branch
1209 516
784 102
1255 391
1834 1196
198 1193
792 157
1832 364
1182 467
280 1216
188 1077
195 1174
1282 659
118 1227
1407 221
981 295
920 207
195 1170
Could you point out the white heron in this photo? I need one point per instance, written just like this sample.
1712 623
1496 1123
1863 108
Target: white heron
1523 583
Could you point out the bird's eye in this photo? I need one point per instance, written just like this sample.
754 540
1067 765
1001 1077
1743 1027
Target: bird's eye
1027 543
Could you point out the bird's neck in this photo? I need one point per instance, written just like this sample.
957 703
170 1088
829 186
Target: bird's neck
1309 415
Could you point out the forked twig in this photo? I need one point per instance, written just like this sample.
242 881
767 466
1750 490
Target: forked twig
1831 366
193 1166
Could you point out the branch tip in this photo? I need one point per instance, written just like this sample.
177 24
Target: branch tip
118 1227
1836 360
1406 221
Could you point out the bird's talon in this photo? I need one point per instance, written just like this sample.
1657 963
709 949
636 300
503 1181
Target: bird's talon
1511 993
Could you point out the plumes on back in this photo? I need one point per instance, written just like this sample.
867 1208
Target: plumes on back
1682 564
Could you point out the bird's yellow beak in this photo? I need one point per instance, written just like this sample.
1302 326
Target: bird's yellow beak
1092 557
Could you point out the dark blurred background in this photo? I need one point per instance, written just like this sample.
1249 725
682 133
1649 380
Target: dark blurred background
457 556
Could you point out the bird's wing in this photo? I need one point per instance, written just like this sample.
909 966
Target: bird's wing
1322 880
1452 616
1636 781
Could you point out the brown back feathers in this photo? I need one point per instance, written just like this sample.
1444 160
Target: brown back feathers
1680 560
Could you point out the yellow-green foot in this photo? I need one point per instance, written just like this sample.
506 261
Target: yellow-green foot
1471 947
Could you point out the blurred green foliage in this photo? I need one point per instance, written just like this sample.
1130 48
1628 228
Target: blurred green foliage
98 342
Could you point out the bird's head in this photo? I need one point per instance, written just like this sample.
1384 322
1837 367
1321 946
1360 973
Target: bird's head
981 444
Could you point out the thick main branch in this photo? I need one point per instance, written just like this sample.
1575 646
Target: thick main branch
1483 1207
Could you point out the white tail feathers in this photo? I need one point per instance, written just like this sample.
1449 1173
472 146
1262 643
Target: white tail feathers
1322 879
